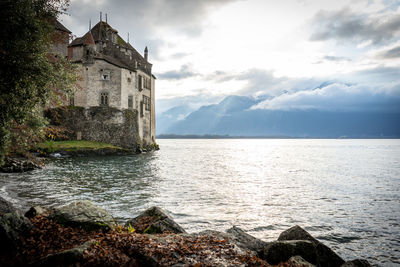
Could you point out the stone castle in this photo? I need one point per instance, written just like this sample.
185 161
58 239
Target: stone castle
114 75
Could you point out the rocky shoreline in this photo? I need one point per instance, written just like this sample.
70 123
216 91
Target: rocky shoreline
17 164
82 234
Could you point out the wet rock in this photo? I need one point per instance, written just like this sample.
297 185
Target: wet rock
12 225
281 251
20 165
5 206
246 241
241 242
83 214
155 221
357 263
325 256
299 261
64 258
35 211
296 233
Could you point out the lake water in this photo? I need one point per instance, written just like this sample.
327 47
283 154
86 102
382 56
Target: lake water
344 192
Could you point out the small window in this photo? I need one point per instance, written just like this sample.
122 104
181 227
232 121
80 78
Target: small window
147 102
105 75
141 83
130 101
129 80
104 99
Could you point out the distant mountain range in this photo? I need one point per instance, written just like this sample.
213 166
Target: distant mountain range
233 117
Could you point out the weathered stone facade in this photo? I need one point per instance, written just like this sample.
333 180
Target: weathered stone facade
101 124
60 39
115 75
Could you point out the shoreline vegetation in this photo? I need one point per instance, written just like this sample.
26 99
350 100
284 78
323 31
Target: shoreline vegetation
77 148
83 234
36 159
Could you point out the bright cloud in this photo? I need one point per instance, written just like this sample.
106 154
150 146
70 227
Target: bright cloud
338 97
204 50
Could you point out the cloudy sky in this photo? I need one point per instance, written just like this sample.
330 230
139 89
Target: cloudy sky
340 55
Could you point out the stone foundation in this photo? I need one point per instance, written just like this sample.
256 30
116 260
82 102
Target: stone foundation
101 124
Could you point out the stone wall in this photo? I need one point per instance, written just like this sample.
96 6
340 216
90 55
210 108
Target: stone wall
100 124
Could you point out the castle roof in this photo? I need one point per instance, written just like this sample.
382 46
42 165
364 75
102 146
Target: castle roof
58 26
111 52
87 39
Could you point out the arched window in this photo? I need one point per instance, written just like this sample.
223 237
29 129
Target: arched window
104 99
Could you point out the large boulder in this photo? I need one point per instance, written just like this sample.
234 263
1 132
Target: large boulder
12 164
155 221
83 214
325 256
5 206
12 225
281 251
296 233
246 241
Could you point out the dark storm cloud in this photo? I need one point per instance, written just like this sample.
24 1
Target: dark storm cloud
184 72
345 25
391 53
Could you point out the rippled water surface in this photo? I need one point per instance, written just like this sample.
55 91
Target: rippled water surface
344 192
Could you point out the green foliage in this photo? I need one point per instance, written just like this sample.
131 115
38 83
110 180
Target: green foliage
31 131
27 77
131 229
54 146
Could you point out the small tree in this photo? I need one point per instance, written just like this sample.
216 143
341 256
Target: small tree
27 76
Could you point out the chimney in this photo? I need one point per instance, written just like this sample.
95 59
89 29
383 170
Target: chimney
146 53
106 17
101 16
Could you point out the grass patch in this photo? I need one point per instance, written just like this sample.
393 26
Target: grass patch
55 146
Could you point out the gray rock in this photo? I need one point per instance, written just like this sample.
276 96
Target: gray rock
246 241
64 258
5 206
296 233
281 251
12 225
155 221
35 211
83 214
299 261
356 263
325 256
20 165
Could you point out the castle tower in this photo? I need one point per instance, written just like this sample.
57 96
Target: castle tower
89 47
146 54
